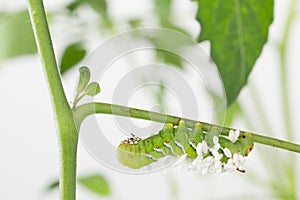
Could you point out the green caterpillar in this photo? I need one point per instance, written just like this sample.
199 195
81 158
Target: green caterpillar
175 141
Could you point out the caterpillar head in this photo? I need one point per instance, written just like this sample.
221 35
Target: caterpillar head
127 152
247 142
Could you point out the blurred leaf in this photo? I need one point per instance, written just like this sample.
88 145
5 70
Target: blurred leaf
74 5
173 187
166 56
96 184
84 78
163 10
160 96
16 35
100 6
53 185
72 55
135 23
92 89
237 31
169 58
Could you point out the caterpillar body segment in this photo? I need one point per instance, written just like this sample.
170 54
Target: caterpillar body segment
211 134
181 136
169 140
195 136
176 141
243 145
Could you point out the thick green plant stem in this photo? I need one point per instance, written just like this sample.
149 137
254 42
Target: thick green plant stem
82 111
65 124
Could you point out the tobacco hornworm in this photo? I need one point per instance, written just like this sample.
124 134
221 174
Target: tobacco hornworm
175 141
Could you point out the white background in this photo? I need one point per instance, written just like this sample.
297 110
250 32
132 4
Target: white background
28 144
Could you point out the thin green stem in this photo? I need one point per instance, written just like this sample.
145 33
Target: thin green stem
64 119
82 111
77 99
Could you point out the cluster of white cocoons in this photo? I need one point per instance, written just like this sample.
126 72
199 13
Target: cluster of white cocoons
212 164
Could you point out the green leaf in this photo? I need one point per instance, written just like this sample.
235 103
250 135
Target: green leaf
92 89
163 10
84 78
169 58
72 55
99 6
135 23
16 35
74 5
53 185
96 184
166 56
237 31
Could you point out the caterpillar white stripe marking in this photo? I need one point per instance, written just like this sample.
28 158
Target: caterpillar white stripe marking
150 156
170 147
192 143
180 146
159 150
